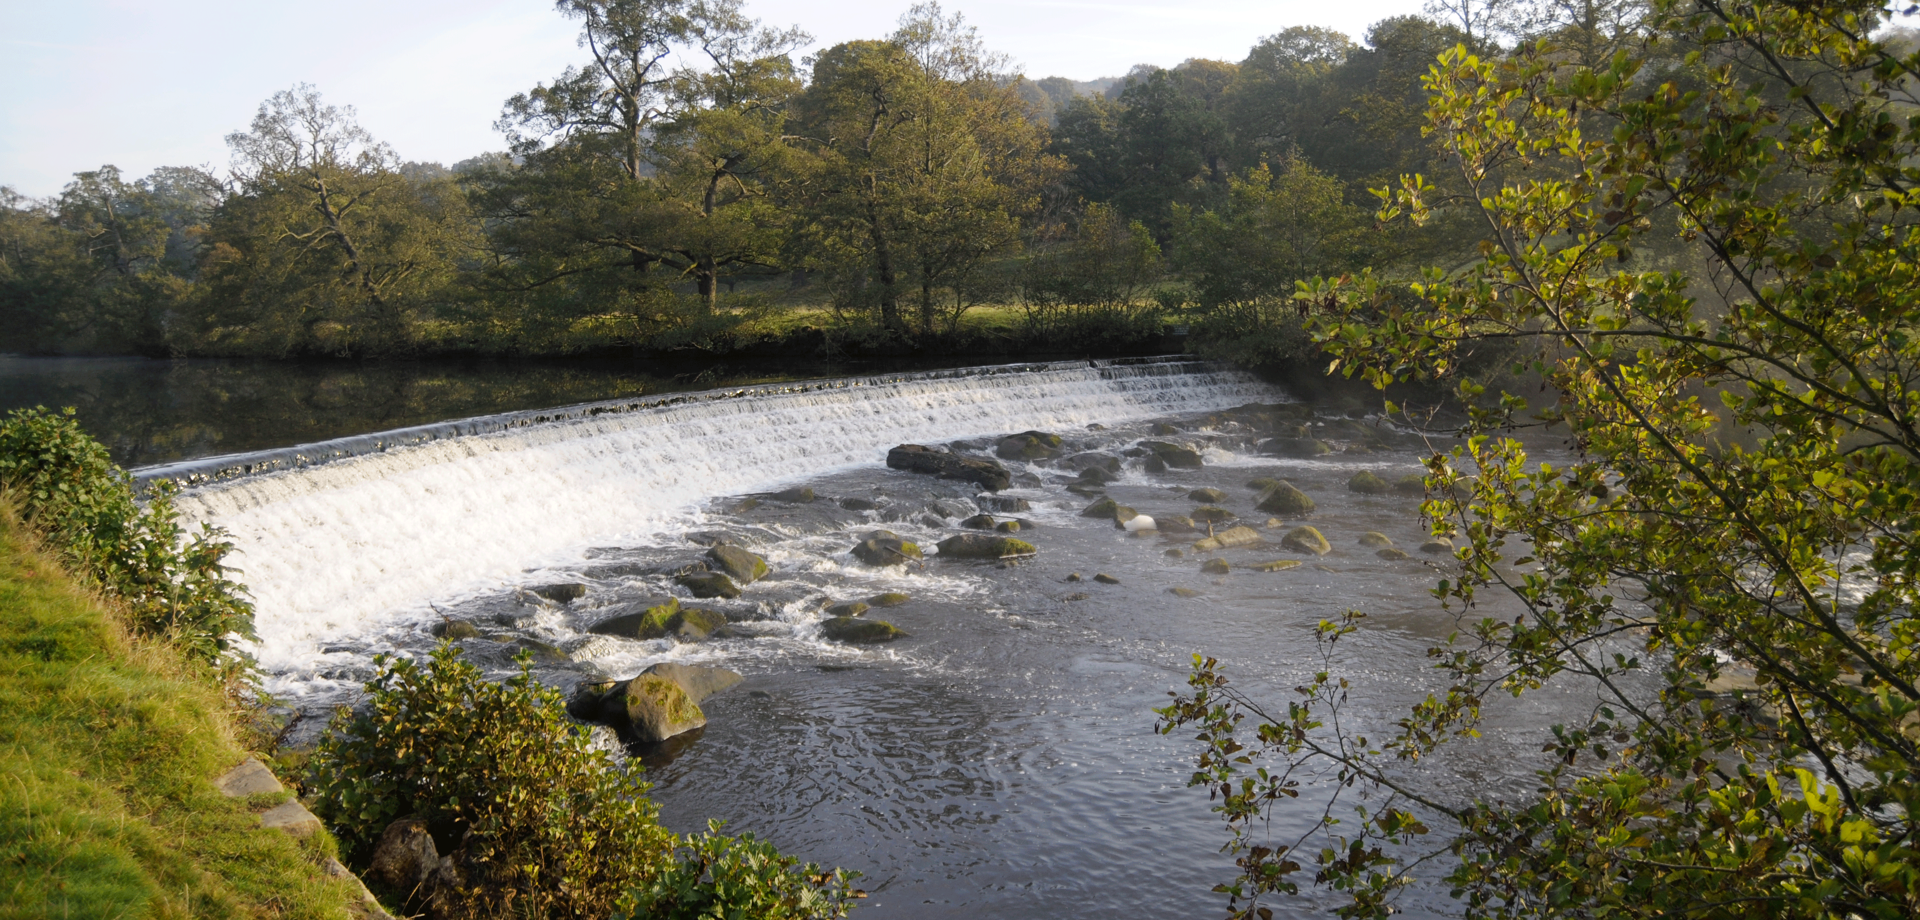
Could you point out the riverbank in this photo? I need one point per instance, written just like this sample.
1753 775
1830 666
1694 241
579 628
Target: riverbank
111 747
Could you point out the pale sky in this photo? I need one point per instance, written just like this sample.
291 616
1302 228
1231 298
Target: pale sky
140 83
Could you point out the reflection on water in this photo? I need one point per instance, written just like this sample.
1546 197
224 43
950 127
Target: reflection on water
153 411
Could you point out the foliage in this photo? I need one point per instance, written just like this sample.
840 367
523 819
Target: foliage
1729 560
740 877
1094 281
174 586
540 821
108 809
1276 227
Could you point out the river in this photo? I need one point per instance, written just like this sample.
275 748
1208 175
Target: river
999 761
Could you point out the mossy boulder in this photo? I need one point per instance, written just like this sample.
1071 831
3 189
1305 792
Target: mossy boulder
1004 504
1374 539
983 546
1227 539
1209 514
1122 514
1104 508
1029 446
919 458
979 522
1096 475
1393 555
863 631
1297 448
1007 527
884 548
1175 523
859 504
455 630
1411 484
658 708
1162 429
1105 579
798 495
1277 565
1366 482
848 609
1285 500
1306 540
1183 592
738 564
1437 545
1207 496
889 599
1175 456
1263 483
647 623
1215 567
709 584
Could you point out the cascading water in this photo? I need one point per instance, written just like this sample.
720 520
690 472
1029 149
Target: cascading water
1000 759
332 538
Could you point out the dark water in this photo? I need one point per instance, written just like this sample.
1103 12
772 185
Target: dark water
151 411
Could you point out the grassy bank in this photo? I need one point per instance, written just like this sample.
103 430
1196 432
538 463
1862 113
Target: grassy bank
108 748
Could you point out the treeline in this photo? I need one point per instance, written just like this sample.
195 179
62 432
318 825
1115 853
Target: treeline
689 184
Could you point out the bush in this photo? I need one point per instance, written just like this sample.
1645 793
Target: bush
727 877
538 822
174 586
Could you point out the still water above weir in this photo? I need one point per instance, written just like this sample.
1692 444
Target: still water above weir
1000 761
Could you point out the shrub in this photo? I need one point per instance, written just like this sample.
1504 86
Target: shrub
540 822
728 877
175 586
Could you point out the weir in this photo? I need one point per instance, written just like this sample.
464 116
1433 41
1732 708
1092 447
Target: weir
335 538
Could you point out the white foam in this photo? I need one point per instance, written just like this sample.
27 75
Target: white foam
340 548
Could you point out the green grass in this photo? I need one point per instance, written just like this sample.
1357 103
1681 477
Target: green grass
108 749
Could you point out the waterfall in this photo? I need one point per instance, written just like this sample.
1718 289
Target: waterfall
335 537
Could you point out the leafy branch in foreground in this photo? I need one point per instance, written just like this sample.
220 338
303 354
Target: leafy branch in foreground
1708 250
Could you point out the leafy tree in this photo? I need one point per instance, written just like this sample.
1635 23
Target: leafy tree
1276 227
924 165
1091 282
1729 560
329 247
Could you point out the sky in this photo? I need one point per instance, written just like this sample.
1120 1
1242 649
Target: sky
141 84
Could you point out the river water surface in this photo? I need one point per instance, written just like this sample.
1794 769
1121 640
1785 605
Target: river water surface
1001 760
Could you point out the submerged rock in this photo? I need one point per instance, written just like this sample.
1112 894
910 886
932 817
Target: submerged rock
1306 540
1298 448
1277 565
1231 537
1215 567
1285 500
859 504
1176 456
1374 539
917 458
1437 545
1174 553
983 546
1175 523
1393 555
742 566
1105 579
1207 496
561 593
1028 445
1007 527
1183 592
709 584
1004 504
850 629
1366 482
979 522
1107 462
798 495
847 609
889 599
1263 483
1411 484
884 548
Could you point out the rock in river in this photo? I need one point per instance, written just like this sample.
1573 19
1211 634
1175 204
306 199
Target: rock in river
1366 482
709 584
659 703
455 630
979 522
1306 540
889 599
851 629
847 609
1028 445
1285 500
983 546
1231 537
1177 456
884 547
661 621
562 593
742 566
1374 539
1207 496
916 458
1215 567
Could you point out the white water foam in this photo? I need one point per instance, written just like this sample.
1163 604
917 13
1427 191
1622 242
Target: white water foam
337 548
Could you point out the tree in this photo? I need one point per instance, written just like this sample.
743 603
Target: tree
1095 275
329 247
1276 227
1730 562
636 172
924 165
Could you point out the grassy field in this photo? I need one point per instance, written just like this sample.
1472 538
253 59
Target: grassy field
108 749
